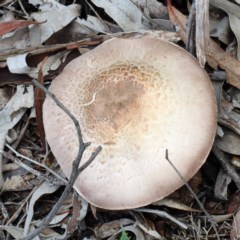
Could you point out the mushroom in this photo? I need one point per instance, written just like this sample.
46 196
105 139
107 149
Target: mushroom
136 97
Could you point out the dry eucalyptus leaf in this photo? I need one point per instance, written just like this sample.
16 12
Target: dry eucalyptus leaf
174 204
50 234
20 183
14 110
202 29
58 218
163 215
228 117
235 23
7 16
235 233
216 56
18 64
233 12
229 143
125 13
79 212
235 96
236 161
227 6
15 232
149 231
152 8
221 185
79 27
222 218
44 188
84 208
222 31
6 27
94 23
4 97
47 5
54 20
10 167
19 40
11 115
111 228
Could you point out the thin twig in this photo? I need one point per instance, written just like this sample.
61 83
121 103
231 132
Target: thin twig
41 176
226 165
23 9
211 220
73 177
99 17
4 211
21 134
75 165
19 209
60 105
39 164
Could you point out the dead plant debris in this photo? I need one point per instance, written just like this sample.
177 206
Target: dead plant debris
37 201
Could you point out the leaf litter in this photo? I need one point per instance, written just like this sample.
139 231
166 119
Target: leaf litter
88 24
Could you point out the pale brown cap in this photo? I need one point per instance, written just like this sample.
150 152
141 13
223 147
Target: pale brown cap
136 97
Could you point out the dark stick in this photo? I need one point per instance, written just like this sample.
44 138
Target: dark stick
225 163
75 165
59 104
213 223
191 29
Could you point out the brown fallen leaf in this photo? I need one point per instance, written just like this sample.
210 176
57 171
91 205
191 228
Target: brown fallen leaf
216 56
38 103
6 27
90 41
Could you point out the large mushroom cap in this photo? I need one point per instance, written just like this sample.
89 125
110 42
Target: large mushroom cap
136 97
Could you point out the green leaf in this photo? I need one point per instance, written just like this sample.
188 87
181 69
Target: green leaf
124 235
